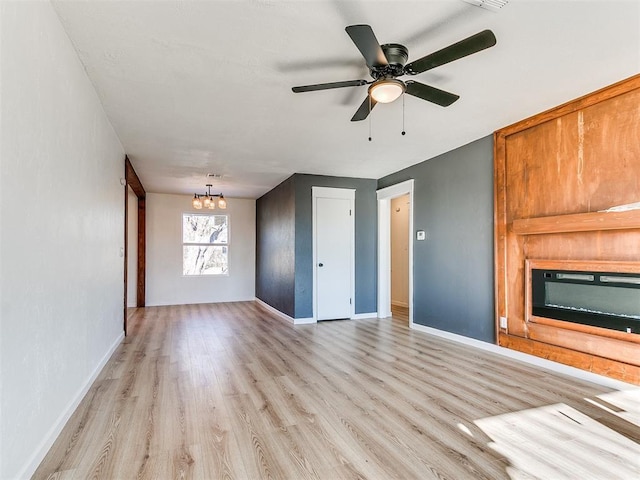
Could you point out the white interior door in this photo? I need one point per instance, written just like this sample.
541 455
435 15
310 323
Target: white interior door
334 236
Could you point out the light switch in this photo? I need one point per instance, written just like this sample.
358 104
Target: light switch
421 235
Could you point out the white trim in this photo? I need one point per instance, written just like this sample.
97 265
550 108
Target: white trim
384 246
54 432
284 316
361 316
341 193
530 359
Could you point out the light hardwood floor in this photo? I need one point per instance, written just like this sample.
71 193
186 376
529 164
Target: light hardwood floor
232 391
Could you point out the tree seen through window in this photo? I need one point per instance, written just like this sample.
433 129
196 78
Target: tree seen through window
205 240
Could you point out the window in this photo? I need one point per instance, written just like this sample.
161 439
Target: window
205 244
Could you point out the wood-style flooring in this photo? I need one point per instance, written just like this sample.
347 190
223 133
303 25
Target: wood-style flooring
224 391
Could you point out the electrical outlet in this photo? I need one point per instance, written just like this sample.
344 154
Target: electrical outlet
503 322
421 235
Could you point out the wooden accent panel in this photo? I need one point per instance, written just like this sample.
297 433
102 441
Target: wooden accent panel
578 327
554 173
600 345
579 103
578 222
603 366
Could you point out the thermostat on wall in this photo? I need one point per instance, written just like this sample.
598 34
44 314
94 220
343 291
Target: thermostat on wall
421 235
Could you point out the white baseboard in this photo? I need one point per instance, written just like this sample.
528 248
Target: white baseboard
360 316
530 359
53 433
304 321
278 313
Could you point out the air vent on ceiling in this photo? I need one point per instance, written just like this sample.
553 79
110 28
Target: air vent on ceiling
214 175
493 5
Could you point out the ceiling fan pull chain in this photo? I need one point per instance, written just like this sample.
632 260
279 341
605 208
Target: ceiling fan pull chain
369 96
403 132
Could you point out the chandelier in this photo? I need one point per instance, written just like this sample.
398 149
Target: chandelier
208 200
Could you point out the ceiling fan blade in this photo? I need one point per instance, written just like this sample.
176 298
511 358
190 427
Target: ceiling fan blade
327 86
367 43
430 94
473 44
364 109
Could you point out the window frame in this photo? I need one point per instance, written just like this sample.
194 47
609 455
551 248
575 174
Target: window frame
226 244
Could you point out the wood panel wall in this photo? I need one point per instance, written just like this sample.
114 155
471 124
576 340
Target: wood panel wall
554 173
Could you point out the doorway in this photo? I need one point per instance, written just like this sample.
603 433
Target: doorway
385 197
400 212
333 253
132 249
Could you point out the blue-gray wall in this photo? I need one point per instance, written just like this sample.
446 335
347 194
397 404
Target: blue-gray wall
284 244
275 247
366 241
453 267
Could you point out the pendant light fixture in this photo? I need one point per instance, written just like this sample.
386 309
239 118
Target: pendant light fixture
208 200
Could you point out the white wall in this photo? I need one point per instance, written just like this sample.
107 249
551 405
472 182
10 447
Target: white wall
400 251
132 248
165 283
62 230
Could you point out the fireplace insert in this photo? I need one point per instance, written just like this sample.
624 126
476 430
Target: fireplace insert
601 299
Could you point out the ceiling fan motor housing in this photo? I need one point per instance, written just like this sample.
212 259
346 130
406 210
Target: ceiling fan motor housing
397 55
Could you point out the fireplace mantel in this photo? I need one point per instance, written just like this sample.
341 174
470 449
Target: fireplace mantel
577 222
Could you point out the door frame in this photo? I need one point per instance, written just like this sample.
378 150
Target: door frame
385 195
344 194
131 180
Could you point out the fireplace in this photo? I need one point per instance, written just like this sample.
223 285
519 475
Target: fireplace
598 298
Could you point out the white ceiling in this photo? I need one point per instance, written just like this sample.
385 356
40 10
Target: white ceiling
197 87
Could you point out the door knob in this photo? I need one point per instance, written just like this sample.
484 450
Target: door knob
321 264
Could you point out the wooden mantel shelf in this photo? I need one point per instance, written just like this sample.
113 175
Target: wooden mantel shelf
577 222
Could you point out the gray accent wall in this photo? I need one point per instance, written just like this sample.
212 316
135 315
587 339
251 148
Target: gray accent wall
366 241
284 243
275 247
453 267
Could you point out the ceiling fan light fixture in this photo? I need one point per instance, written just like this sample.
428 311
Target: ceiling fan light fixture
386 90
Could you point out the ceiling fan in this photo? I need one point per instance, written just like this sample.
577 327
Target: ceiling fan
387 62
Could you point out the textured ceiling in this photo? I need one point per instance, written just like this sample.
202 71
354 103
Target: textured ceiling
197 87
